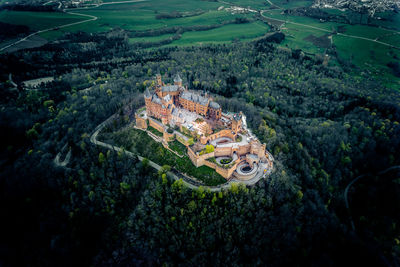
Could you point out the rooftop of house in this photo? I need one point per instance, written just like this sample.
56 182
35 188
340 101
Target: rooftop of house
177 78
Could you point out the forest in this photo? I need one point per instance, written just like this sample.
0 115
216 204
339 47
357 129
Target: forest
323 126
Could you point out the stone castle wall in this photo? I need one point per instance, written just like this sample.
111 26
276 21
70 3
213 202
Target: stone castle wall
210 164
226 173
141 122
202 160
222 133
168 137
223 151
158 126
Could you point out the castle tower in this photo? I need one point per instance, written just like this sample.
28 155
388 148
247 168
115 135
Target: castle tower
237 122
147 100
159 81
178 80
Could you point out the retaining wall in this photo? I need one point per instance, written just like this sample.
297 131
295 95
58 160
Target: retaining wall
156 125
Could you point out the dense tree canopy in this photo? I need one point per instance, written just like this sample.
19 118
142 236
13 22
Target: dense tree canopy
323 127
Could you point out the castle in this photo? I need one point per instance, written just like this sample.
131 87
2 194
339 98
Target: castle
197 122
163 102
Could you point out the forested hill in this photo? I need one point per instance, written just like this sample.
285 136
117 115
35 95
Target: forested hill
323 127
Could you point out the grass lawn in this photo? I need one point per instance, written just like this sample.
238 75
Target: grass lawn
155 131
177 147
139 142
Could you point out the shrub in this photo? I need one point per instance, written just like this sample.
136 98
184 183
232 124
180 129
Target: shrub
226 161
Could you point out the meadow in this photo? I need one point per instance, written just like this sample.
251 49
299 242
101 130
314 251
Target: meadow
223 34
305 33
141 16
368 56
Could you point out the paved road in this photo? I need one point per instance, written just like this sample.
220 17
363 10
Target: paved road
11 80
66 160
176 176
346 191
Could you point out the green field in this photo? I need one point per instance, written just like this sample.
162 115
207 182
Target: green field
38 20
140 16
369 56
305 33
224 34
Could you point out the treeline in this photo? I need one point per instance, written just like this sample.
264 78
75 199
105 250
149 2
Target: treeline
317 14
30 7
11 30
182 29
177 14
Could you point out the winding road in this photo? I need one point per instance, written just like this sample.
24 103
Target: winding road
176 176
92 18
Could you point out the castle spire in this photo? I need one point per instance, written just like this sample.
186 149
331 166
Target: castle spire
177 80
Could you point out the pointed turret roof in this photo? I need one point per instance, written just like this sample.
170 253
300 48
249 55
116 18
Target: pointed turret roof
147 93
177 78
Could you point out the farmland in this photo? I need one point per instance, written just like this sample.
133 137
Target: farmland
367 55
141 16
366 47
